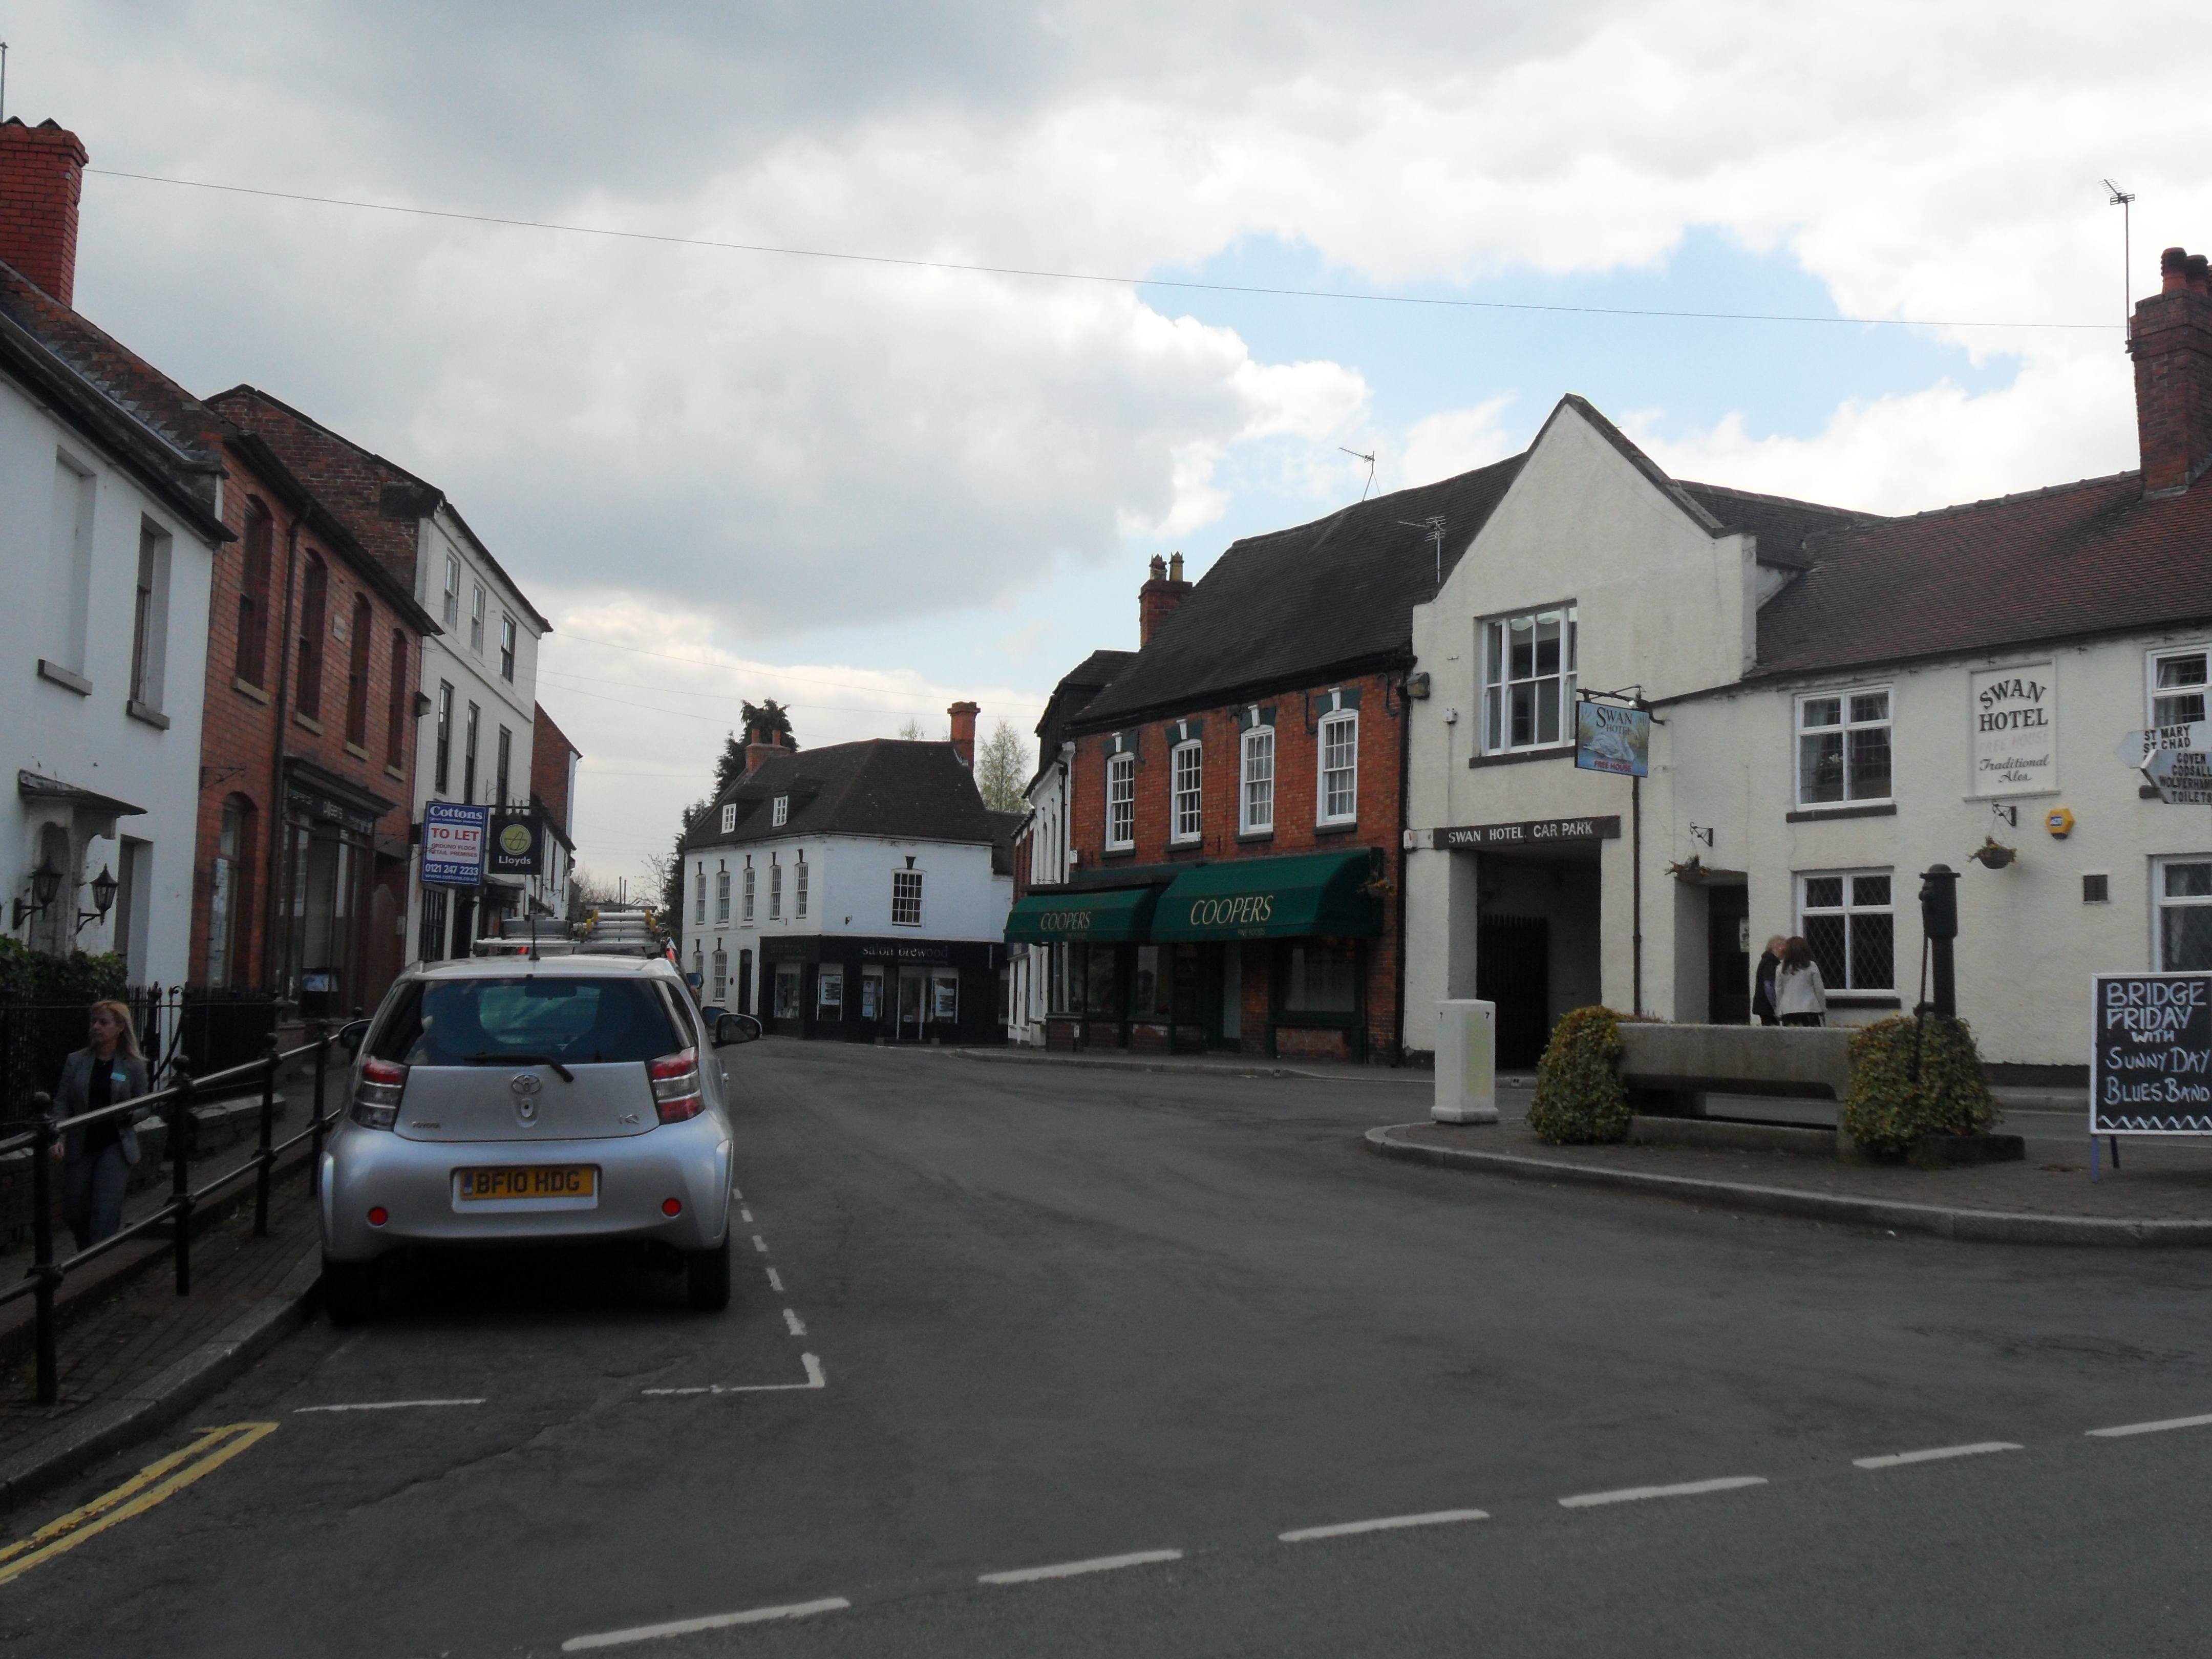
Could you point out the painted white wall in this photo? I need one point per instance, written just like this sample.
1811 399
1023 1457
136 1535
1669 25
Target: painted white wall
90 740
1043 843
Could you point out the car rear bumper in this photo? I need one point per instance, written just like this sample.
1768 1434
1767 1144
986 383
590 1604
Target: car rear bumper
412 1182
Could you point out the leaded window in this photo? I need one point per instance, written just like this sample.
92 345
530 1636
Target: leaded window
1847 918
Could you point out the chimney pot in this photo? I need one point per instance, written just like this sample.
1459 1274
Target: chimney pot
2198 282
964 731
2173 270
1174 567
1159 568
41 178
1158 598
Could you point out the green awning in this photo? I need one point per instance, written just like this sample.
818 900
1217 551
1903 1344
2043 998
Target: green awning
1273 898
1123 913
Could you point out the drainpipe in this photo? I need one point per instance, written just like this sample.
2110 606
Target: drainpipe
274 829
1404 780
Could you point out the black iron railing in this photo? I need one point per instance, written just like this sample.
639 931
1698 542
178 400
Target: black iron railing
174 1105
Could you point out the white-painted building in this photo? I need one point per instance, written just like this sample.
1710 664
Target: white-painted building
1043 847
856 892
1840 702
110 523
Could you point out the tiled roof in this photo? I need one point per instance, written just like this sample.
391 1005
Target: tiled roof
2076 559
1783 526
882 787
1079 688
1285 608
168 437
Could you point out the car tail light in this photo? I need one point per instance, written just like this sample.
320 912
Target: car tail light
675 1086
376 1096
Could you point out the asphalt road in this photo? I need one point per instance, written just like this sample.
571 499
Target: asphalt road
1063 1315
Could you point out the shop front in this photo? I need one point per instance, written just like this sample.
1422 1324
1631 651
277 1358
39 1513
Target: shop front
327 858
879 990
1098 967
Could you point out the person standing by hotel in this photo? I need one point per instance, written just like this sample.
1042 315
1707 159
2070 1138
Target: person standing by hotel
1762 994
97 1158
1800 996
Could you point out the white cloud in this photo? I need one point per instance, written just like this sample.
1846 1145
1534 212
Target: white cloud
1451 441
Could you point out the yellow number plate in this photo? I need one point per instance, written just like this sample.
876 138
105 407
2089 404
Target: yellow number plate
528 1180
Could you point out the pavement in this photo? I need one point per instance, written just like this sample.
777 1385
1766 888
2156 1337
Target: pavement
1063 1360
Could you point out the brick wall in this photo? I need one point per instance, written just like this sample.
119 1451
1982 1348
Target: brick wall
1298 714
550 750
41 175
240 735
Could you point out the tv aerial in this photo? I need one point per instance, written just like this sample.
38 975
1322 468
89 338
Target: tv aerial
1370 459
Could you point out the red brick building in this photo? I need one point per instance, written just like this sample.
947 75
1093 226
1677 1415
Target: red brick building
1237 795
307 755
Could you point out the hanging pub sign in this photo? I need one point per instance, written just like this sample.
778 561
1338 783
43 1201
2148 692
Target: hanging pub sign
1611 738
2150 1060
518 844
454 838
2015 715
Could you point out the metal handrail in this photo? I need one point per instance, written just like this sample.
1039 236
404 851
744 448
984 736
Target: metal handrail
46 1274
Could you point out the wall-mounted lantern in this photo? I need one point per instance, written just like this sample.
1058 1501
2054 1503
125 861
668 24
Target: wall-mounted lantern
45 887
103 898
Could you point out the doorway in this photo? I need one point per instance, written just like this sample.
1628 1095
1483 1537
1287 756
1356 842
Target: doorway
912 987
1513 970
1727 954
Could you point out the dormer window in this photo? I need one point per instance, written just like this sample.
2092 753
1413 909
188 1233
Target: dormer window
782 811
730 818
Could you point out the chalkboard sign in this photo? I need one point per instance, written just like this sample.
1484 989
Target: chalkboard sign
2150 1060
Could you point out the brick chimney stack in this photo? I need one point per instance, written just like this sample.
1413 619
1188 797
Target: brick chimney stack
964 731
41 175
1162 593
2170 337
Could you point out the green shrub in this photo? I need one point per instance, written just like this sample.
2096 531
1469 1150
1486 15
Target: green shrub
44 1002
1887 1111
1580 1097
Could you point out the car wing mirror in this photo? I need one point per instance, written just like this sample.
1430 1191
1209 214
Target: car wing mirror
351 1036
736 1028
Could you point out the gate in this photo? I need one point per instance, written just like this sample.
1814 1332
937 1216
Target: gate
1513 970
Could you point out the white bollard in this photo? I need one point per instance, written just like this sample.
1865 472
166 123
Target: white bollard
1467 1062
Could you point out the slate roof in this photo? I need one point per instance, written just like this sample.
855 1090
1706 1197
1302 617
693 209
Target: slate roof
1078 689
1297 605
1784 527
881 787
164 435
377 500
1005 826
2092 557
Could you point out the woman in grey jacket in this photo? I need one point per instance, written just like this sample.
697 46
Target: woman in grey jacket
97 1158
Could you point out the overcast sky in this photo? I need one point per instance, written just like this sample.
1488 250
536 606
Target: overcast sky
869 490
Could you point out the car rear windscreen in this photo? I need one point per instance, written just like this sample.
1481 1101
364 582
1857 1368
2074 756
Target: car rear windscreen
491 1022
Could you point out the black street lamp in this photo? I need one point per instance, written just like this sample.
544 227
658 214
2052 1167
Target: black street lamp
103 898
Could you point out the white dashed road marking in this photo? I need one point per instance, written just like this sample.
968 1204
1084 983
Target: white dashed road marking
1076 1569
815 1379
1387 1523
1934 1455
383 1406
2160 1427
746 1216
774 1283
760 1244
792 1320
617 1638
1590 1500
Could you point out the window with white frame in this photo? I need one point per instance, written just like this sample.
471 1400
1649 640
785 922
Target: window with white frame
729 817
698 894
798 887
1257 793
2182 891
476 620
747 915
780 814
450 613
1189 771
1847 918
1528 675
1339 793
507 648
721 981
722 895
1843 747
2176 685
1121 801
775 891
906 898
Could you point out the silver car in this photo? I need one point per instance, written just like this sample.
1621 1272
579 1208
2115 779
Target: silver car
504 1101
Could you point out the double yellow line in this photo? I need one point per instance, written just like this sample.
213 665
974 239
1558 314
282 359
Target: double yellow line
156 1481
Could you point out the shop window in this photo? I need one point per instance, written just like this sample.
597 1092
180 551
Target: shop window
250 663
1843 747
1148 993
1121 801
1257 814
445 752
798 887
450 611
1338 794
747 916
829 992
395 714
1094 977
721 896
2184 897
1528 667
314 597
507 648
1321 977
906 898
1189 791
721 980
786 990
1846 917
358 647
2176 685
872 993
775 891
944 996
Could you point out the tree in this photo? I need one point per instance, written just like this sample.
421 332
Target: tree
911 731
1002 769
769 721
